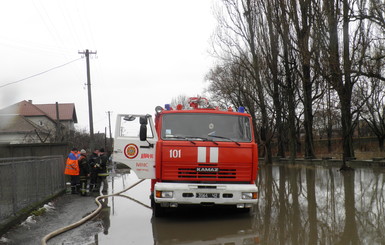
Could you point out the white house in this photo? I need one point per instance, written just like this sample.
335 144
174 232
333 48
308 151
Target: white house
25 122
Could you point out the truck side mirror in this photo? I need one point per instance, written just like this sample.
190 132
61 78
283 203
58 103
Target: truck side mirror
143 128
143 120
143 132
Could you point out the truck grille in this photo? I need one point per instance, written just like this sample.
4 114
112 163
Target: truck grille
222 173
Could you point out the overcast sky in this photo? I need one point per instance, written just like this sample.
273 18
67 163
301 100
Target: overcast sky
148 52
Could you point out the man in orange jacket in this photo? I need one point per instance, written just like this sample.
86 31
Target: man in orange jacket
72 169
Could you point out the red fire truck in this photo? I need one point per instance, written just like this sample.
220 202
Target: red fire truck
195 156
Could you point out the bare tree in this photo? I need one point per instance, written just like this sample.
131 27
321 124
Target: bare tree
180 99
374 111
342 61
288 61
237 39
273 53
301 17
270 51
230 85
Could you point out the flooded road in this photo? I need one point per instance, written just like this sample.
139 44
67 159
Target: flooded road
316 205
297 205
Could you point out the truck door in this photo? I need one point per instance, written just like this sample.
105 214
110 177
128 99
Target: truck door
134 144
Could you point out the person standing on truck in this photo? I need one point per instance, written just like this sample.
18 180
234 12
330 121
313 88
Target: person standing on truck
84 172
94 169
102 174
72 169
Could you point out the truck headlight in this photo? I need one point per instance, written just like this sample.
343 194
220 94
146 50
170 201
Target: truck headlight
249 195
164 194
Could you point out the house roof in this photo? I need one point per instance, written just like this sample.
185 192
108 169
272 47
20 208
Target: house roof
17 124
67 111
23 108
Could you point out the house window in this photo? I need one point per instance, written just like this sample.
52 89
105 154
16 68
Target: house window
41 123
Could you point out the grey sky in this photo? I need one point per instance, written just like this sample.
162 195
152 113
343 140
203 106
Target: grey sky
147 53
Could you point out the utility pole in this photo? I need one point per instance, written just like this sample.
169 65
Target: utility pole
105 138
109 125
109 122
87 54
58 125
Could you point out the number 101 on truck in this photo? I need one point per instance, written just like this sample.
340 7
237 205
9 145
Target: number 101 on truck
194 156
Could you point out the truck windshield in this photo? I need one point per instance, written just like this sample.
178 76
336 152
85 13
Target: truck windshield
205 126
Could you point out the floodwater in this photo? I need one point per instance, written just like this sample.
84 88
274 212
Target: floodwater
297 205
316 205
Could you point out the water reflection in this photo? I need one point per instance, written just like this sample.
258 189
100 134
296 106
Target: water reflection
104 215
297 205
316 205
205 226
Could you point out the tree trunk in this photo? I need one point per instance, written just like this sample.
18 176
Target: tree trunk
291 115
273 37
303 35
308 114
346 93
290 91
344 90
381 140
329 123
346 121
258 83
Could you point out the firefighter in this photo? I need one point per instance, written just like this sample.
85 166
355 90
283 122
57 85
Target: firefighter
72 169
94 165
84 172
102 174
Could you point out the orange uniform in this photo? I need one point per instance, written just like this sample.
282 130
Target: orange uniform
72 166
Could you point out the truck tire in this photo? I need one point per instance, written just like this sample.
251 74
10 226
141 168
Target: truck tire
157 210
243 210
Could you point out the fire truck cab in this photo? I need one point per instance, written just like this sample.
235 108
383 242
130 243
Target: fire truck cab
195 156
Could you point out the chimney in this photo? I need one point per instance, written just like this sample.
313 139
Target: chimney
30 101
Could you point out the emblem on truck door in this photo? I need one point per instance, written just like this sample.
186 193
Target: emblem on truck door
131 151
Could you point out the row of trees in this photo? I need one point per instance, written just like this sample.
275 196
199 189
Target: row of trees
289 61
81 139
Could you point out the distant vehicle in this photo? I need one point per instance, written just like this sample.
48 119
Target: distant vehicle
195 156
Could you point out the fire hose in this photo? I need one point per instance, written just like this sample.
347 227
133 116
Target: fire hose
88 217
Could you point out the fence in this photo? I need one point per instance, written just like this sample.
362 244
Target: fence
26 182
24 150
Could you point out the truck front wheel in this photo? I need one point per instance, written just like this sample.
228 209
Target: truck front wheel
157 209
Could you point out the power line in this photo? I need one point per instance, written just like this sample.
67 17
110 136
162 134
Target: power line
1 86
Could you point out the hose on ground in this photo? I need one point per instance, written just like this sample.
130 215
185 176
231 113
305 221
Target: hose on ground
88 217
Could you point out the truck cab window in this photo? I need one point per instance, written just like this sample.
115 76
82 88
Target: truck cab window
131 128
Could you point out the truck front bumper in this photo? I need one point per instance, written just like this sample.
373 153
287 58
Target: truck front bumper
174 194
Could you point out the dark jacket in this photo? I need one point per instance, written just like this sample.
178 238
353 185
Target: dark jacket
103 161
84 165
92 161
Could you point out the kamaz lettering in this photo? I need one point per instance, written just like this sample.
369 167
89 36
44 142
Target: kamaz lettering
207 170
